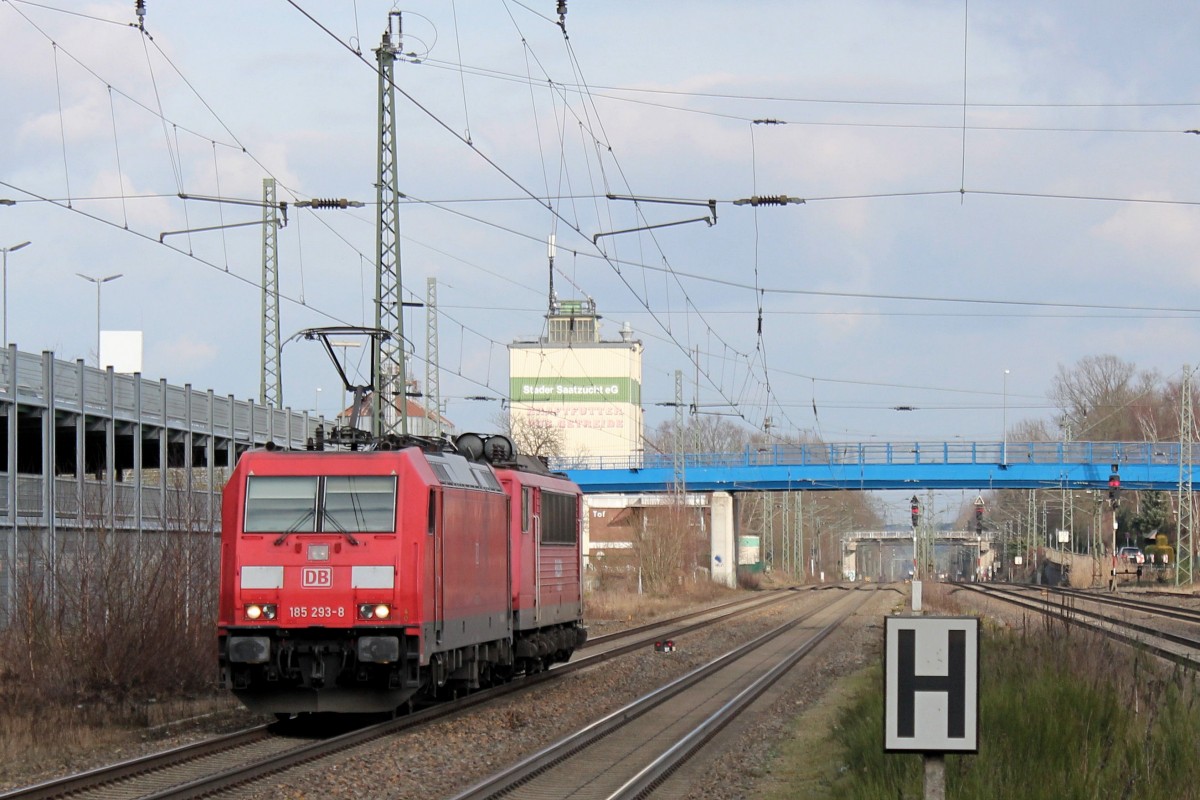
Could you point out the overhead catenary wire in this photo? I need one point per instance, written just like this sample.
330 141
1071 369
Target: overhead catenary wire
603 254
665 327
619 261
172 147
956 126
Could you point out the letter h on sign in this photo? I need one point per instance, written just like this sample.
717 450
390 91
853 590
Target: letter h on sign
931 691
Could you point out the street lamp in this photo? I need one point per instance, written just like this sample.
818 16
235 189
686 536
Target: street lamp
317 401
6 251
99 282
1004 422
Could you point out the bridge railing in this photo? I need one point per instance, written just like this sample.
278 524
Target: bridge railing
901 453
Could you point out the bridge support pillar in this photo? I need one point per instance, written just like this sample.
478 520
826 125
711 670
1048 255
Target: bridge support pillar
724 539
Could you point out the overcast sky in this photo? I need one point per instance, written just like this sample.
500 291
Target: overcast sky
1020 167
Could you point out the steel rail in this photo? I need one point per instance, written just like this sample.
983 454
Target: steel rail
513 776
131 768
661 768
1158 609
175 757
1072 618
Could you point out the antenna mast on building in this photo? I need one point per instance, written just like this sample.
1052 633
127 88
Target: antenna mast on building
392 382
551 251
271 385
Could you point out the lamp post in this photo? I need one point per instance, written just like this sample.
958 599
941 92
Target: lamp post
1004 422
317 401
99 282
6 251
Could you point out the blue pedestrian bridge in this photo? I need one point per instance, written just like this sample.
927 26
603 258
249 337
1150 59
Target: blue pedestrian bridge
894 465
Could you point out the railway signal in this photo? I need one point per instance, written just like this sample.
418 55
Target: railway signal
979 515
916 510
1114 487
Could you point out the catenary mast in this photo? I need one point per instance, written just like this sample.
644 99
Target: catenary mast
389 402
271 388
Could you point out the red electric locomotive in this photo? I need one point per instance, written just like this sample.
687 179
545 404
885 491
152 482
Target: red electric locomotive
356 581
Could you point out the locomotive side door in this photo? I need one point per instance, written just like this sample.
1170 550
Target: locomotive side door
536 519
436 531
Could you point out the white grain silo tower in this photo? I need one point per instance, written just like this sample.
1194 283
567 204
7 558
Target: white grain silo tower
573 382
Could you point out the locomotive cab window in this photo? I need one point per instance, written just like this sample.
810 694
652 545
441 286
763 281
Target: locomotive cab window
277 504
289 504
362 503
560 518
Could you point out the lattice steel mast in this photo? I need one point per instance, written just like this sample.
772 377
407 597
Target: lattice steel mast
433 390
271 386
391 383
680 487
1186 516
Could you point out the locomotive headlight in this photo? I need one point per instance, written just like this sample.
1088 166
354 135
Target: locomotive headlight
374 611
256 611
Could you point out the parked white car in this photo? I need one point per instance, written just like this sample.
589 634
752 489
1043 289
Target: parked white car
1133 555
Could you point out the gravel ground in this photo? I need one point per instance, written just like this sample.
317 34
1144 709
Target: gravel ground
448 756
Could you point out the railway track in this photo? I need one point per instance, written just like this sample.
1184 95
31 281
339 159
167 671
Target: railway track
635 749
1065 605
206 767
1134 604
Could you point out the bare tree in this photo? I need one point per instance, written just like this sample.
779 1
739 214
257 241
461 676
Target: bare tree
1103 398
1031 430
702 433
533 435
664 547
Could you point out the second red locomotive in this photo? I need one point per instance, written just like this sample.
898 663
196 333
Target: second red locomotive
358 581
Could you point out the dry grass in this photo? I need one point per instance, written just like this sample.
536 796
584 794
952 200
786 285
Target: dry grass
41 740
1062 713
619 600
111 638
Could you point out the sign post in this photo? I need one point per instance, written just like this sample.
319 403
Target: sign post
931 691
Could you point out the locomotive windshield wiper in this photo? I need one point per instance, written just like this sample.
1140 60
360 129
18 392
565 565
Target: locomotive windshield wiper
331 522
295 526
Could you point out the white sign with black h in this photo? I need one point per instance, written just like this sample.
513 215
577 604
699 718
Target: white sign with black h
931 685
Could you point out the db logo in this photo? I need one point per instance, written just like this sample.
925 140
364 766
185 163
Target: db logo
316 577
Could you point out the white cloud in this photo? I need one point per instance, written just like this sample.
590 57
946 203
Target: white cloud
1159 243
